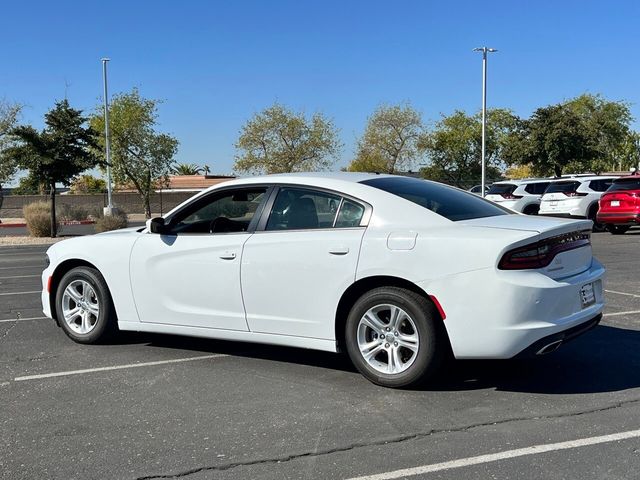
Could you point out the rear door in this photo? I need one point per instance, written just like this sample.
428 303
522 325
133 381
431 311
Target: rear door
300 260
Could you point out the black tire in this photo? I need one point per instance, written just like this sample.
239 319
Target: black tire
597 226
106 323
433 343
531 210
617 229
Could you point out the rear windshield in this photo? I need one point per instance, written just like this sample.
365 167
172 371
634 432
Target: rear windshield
446 201
625 184
536 188
561 187
501 189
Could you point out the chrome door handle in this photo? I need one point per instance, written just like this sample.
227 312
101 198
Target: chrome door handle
339 250
228 256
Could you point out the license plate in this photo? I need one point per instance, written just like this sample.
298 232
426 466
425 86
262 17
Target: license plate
615 203
554 204
587 295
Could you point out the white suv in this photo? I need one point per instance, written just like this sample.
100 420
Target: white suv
575 197
520 195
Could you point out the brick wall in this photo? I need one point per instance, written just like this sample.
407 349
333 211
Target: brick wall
128 202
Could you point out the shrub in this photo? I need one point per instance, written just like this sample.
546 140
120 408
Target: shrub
72 212
111 222
38 218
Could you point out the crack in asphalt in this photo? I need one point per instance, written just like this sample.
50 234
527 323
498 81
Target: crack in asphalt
388 441
6 332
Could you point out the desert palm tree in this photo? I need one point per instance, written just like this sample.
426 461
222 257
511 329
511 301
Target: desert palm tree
187 169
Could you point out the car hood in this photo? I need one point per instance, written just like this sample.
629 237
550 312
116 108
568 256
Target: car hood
123 231
530 223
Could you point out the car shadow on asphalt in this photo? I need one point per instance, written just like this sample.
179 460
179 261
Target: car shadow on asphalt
606 359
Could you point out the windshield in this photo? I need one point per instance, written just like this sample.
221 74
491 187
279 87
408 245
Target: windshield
625 184
446 201
501 189
562 187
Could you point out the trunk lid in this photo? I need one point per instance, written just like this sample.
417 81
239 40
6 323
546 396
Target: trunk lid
620 201
564 264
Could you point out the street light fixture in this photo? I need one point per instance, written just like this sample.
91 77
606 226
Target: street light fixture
484 51
109 209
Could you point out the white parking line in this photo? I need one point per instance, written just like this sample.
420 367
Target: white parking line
617 314
19 276
623 293
4 320
20 293
117 367
507 454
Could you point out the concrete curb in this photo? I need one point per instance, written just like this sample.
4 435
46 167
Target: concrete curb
68 222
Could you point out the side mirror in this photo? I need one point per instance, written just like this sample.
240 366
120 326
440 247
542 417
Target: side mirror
156 225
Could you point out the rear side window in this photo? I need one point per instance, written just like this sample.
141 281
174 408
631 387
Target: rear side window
625 184
562 187
600 185
301 209
536 188
448 202
502 189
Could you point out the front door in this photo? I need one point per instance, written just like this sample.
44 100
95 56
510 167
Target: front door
190 276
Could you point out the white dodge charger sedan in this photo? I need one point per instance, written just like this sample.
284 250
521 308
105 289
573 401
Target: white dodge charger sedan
396 271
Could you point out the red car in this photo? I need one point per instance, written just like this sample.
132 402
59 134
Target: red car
620 205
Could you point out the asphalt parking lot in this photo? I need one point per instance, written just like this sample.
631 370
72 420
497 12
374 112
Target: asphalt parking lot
157 406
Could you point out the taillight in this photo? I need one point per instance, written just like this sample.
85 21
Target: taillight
509 196
575 194
540 254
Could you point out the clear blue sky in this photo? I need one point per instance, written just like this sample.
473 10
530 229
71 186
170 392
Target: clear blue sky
216 63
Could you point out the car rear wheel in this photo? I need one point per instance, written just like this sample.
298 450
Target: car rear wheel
84 307
617 229
531 210
394 338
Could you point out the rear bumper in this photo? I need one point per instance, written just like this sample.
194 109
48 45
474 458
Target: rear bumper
560 215
619 218
495 314
551 342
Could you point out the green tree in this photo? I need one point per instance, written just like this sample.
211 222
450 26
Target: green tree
278 140
29 185
584 134
84 184
453 147
390 140
9 113
140 156
57 153
187 169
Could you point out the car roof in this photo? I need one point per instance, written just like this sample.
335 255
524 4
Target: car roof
588 179
331 180
525 181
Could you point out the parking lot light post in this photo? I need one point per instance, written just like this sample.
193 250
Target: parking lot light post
484 51
109 209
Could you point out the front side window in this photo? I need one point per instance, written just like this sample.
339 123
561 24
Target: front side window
225 212
301 209
446 201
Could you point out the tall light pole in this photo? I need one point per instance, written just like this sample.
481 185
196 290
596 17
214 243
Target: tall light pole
107 139
484 51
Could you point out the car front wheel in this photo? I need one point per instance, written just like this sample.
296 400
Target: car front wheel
394 337
84 307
